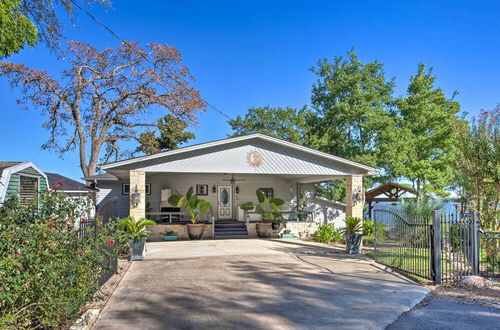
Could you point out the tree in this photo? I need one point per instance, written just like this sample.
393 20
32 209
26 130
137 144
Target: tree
423 140
351 103
283 123
172 133
478 165
16 29
29 21
104 97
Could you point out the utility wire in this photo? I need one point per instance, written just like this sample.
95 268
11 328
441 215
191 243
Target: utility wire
142 55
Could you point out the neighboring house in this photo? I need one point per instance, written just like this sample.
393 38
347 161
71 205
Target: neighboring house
27 181
227 173
23 179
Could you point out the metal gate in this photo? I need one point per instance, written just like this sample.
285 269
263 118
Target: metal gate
440 248
403 243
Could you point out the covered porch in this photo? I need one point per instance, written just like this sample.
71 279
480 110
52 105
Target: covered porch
228 172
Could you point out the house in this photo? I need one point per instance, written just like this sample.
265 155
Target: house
24 179
227 173
27 181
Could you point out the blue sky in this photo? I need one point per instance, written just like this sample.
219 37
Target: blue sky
257 53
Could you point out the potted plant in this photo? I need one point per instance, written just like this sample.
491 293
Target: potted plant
353 235
171 236
194 206
135 231
267 210
302 204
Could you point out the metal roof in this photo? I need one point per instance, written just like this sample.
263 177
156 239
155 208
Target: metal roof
230 156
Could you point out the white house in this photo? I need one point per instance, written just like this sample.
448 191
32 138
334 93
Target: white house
227 173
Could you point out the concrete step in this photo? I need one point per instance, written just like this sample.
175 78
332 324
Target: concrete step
230 228
230 236
234 232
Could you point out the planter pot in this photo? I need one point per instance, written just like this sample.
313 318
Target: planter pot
195 230
170 238
353 243
263 229
137 247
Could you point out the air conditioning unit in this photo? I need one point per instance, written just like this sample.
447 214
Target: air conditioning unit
165 195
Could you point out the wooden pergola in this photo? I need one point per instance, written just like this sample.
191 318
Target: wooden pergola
388 192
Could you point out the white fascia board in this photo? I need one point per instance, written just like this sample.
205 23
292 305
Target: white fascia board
370 170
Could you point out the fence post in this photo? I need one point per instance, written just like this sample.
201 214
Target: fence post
436 247
475 244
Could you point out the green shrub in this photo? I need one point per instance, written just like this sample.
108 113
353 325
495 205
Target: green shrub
328 234
47 270
368 228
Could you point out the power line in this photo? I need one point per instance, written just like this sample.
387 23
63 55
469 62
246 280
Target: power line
142 55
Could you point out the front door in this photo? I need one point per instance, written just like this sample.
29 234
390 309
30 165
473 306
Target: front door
225 202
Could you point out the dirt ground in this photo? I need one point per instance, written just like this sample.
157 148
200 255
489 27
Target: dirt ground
478 296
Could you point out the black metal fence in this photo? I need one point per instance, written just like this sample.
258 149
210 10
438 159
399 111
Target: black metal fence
489 265
88 230
403 243
441 247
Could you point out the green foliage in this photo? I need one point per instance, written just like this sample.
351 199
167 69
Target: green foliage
368 228
172 133
194 206
419 208
135 229
328 234
267 209
48 271
478 166
284 123
352 225
421 142
16 29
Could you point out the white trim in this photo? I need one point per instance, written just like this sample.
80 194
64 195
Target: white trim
370 170
6 174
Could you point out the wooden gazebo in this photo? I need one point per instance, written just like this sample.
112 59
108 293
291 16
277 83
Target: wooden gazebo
388 192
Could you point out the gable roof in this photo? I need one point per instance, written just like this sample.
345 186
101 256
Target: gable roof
391 192
67 183
8 168
284 149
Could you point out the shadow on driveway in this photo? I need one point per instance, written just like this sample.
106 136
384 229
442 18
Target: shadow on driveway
301 288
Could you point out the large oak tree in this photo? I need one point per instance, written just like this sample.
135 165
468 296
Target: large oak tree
105 97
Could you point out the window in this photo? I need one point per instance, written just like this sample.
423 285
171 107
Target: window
28 189
268 192
126 189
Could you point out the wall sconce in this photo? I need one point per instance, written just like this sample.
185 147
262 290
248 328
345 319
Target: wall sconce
357 196
136 197
237 189
214 189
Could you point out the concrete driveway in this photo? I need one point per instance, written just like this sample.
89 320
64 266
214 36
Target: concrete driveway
256 284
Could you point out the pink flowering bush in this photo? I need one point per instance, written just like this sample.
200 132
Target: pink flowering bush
48 269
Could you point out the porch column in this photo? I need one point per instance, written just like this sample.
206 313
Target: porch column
138 181
354 187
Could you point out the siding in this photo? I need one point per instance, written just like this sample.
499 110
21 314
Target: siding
13 186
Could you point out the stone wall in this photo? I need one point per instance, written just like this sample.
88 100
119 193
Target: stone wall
158 231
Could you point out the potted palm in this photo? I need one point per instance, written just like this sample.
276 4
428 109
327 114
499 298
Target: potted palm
267 210
353 235
135 231
194 206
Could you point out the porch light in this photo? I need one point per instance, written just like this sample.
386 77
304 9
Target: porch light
237 189
136 197
214 189
357 196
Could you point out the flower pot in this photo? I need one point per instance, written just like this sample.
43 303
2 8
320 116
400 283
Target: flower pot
263 229
195 230
353 243
170 238
302 216
137 247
